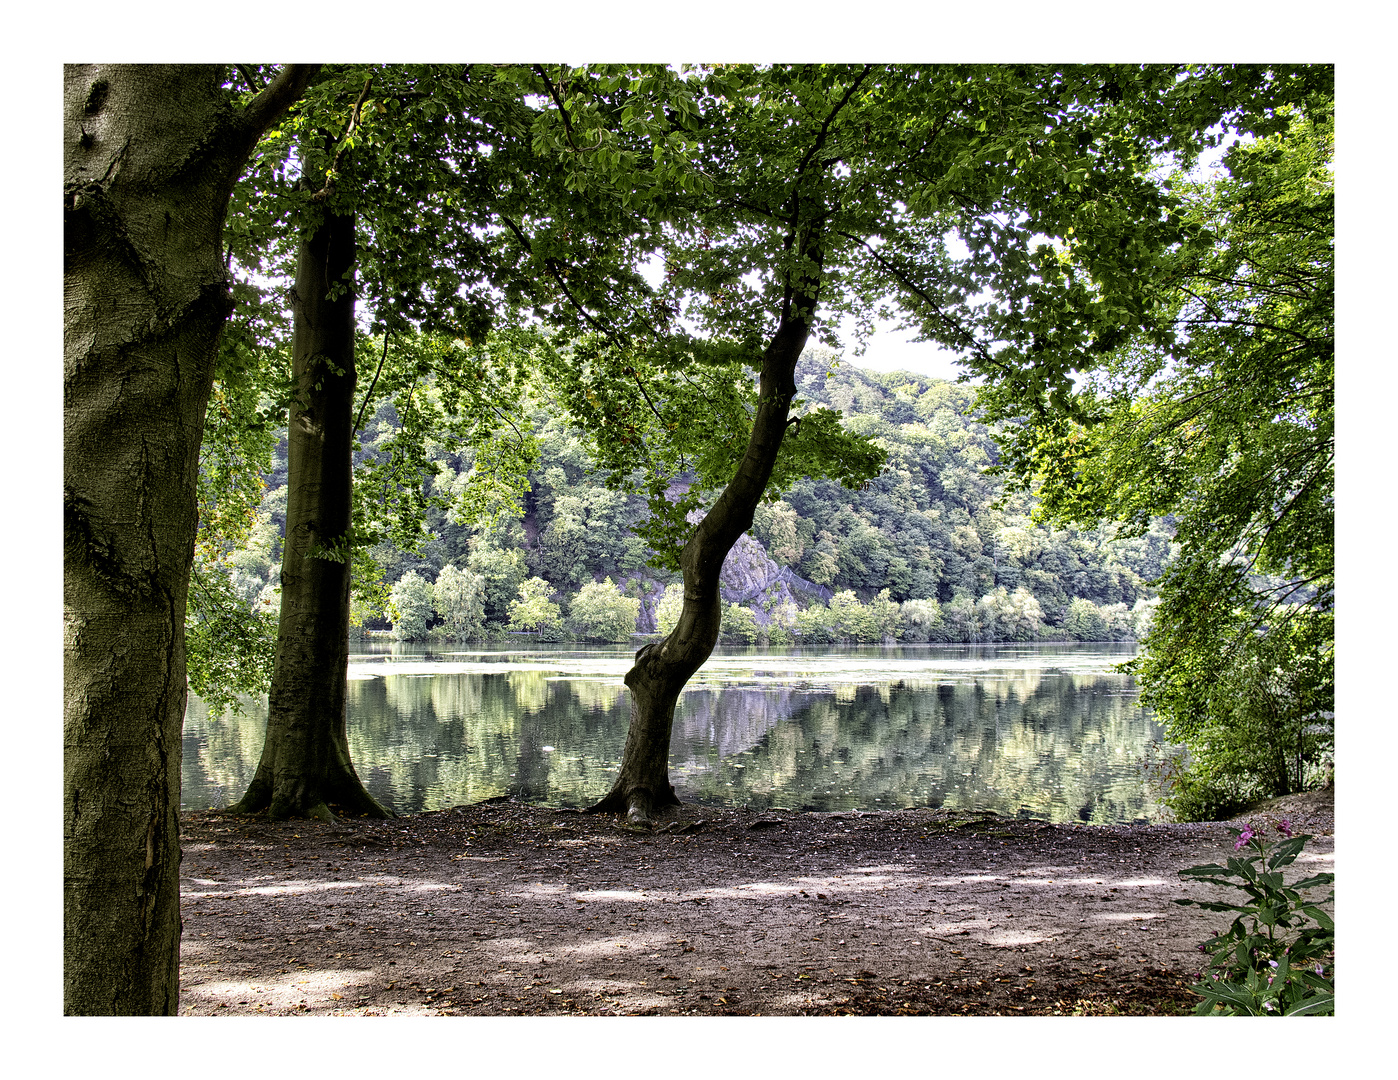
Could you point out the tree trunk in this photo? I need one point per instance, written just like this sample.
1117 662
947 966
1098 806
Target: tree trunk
643 783
151 154
305 766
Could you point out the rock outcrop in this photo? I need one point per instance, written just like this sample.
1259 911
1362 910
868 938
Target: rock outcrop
751 577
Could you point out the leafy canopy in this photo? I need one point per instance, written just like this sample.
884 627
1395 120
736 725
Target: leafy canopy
1221 414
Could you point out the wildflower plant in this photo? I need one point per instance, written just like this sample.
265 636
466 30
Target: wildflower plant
1275 959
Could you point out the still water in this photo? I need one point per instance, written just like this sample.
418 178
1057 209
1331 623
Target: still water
1044 731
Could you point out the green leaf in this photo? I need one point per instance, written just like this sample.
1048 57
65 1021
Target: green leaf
1317 1006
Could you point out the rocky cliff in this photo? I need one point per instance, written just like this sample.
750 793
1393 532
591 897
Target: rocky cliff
752 578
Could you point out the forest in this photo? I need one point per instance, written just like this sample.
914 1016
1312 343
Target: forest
468 350
933 549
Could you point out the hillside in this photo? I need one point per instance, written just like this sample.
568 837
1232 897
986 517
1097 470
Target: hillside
932 549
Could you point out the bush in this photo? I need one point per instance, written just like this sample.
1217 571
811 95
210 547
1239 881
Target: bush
1084 621
1258 721
503 571
739 626
1005 616
667 612
813 624
958 620
918 619
779 634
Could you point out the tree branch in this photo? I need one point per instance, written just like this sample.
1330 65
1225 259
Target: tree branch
968 340
332 172
250 77
260 113
368 394
553 93
830 119
552 269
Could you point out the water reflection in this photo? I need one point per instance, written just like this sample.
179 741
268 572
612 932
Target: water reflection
1044 731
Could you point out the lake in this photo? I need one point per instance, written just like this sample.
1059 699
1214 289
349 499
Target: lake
1048 731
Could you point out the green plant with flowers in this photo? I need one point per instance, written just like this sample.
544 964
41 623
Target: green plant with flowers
1275 959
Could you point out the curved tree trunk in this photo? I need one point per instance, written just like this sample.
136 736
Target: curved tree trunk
305 766
661 670
151 154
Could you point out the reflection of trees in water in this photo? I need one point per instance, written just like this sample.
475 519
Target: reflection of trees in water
529 688
1057 751
1057 746
220 754
585 723
729 720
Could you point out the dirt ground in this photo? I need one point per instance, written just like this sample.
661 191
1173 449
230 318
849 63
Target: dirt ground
507 909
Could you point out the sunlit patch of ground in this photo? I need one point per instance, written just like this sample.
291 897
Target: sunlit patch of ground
308 991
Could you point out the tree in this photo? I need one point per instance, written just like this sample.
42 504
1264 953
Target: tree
599 612
459 598
151 153
1221 413
410 606
810 193
535 611
405 158
305 765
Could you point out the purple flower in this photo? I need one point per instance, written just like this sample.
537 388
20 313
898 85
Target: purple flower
1268 1006
1243 838
1272 962
1319 970
1284 827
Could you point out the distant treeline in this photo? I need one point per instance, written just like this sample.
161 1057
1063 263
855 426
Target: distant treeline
934 549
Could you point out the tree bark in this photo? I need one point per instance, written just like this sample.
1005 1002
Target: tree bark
305 766
151 154
661 670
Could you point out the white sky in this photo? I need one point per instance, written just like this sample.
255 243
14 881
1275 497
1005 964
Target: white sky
891 350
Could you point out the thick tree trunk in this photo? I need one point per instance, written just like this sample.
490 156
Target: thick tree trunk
661 670
305 767
151 154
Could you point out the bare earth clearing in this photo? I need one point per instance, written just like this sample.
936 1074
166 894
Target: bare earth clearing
506 909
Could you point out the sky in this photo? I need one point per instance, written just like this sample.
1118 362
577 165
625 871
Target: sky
892 350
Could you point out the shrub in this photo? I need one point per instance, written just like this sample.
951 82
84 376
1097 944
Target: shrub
814 625
1257 725
918 619
1084 621
739 626
667 612
1005 616
1274 957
